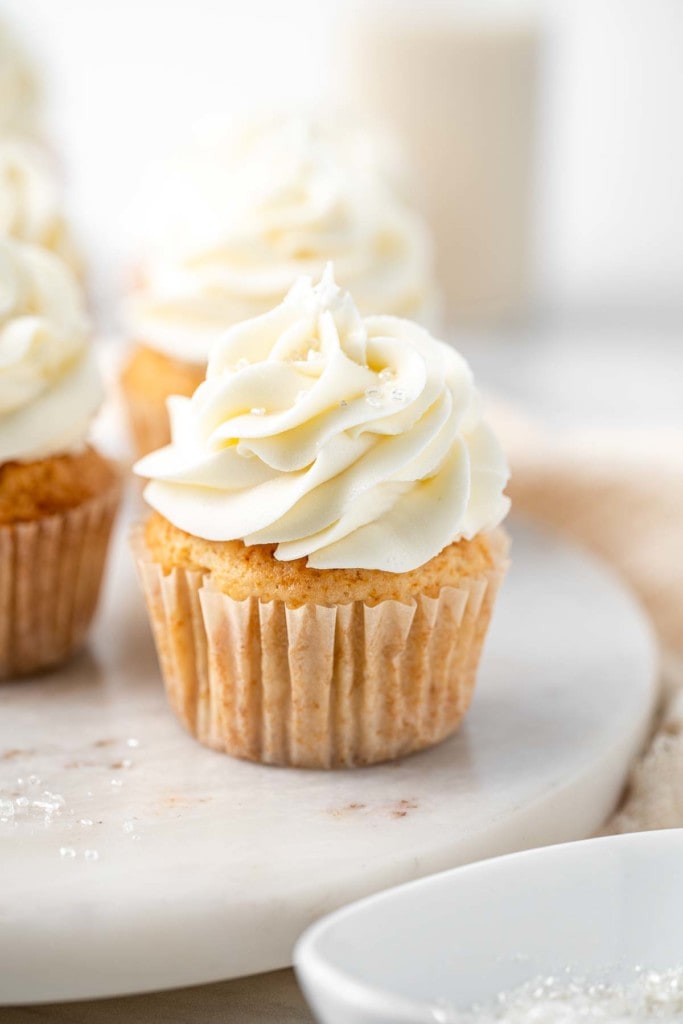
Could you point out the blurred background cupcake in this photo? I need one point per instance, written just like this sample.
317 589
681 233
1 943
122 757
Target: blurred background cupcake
240 221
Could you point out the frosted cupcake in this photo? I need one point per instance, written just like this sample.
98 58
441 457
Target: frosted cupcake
58 496
284 206
30 207
322 560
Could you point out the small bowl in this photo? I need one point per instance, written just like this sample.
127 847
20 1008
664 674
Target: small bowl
420 953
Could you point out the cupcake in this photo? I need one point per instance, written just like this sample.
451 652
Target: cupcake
324 550
30 208
58 496
285 204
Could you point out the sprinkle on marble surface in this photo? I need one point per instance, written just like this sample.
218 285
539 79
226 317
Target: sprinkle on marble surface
35 806
27 801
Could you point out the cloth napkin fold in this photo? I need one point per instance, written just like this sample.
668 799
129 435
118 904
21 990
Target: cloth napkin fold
620 495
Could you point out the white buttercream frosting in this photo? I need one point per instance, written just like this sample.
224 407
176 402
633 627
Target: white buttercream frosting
30 206
49 384
283 204
355 442
18 88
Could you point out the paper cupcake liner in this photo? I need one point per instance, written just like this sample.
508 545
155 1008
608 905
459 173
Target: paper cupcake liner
148 422
50 575
314 686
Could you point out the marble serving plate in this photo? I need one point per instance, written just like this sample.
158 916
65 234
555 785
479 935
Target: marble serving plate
133 859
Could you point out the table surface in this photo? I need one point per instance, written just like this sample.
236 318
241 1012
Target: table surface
575 377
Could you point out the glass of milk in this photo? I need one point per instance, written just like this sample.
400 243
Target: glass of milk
457 81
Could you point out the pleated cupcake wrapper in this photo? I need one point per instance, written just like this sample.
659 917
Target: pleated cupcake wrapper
314 686
50 575
148 421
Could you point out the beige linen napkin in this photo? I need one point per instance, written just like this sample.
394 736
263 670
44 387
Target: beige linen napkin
620 495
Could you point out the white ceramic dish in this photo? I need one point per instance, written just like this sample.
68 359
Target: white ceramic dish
419 953
180 866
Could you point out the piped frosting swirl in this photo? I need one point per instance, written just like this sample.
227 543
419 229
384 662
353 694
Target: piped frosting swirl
30 207
49 383
353 442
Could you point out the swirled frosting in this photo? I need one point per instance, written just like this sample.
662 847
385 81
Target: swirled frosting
285 204
49 384
354 442
29 201
18 89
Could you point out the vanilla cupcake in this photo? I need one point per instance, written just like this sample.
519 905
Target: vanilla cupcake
285 204
322 560
30 205
58 496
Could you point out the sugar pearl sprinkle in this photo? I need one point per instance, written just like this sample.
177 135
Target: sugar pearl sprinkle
647 997
385 391
374 396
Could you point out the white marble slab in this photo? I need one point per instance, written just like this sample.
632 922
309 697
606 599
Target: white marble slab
163 864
